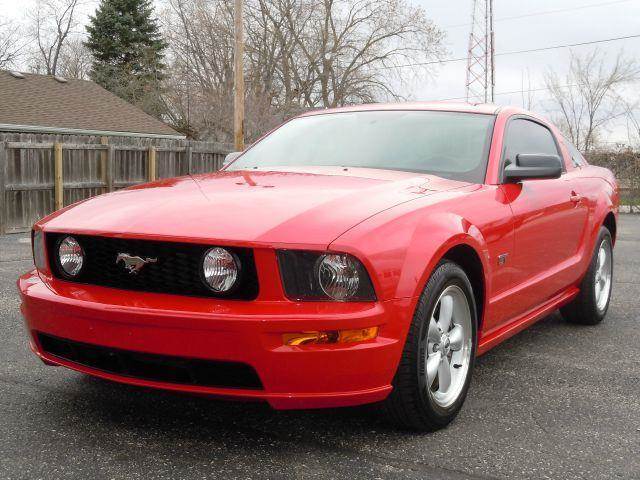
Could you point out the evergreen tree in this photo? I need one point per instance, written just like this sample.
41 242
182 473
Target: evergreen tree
128 52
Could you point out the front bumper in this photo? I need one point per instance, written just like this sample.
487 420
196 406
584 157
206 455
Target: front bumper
313 376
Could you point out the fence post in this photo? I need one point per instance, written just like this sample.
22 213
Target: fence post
152 163
58 179
189 154
110 167
104 163
3 183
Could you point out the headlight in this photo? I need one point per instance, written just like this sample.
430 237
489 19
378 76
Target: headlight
37 242
70 256
220 269
324 276
338 275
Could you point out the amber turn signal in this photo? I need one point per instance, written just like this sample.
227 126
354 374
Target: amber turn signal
330 336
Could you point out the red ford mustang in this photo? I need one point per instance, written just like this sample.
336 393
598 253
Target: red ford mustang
351 256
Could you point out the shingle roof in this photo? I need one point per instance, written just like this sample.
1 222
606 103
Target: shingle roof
77 105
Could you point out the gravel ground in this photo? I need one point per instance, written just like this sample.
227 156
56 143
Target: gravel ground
556 401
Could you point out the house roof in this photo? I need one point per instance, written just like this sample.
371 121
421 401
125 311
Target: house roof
47 104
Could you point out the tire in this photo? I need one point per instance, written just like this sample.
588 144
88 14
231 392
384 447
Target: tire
418 401
590 306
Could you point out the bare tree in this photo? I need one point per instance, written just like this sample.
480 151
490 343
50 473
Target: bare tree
370 39
588 95
528 98
10 43
53 22
632 115
200 82
343 51
300 54
75 59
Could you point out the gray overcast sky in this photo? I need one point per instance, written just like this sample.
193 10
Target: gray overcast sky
608 19
573 21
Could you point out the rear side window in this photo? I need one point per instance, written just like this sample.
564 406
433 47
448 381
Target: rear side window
576 157
525 136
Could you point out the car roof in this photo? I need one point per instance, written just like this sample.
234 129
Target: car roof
463 107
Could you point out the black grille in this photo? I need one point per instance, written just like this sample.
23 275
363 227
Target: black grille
159 368
177 270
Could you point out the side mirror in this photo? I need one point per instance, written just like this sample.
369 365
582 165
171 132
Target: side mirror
230 158
532 166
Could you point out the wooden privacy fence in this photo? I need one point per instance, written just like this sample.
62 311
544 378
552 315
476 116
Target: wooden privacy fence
43 174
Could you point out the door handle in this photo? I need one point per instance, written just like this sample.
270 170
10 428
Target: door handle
575 198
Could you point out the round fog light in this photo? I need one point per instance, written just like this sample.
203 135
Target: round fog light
220 269
71 256
338 276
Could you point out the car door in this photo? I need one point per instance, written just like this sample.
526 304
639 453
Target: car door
549 219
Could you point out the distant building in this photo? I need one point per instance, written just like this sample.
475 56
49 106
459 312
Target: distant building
46 104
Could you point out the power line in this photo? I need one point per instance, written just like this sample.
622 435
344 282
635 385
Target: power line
569 45
513 92
528 90
547 12
516 52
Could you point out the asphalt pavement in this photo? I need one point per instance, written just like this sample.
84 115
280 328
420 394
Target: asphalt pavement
556 401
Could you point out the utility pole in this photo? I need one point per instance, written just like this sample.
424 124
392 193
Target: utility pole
480 84
238 103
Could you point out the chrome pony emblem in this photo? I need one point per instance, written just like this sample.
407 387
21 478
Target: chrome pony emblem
133 264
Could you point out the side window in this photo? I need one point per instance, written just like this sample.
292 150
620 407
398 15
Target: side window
525 136
576 157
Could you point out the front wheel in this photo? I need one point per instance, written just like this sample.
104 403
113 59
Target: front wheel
592 303
433 377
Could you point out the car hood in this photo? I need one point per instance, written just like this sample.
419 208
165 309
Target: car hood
307 206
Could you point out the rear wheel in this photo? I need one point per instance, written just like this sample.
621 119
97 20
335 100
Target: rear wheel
435 369
592 303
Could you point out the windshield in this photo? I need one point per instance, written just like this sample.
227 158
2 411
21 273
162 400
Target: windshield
448 144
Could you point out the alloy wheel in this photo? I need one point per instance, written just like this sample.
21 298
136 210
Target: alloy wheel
603 273
449 346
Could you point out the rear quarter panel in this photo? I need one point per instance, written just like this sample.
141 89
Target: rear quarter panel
599 187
